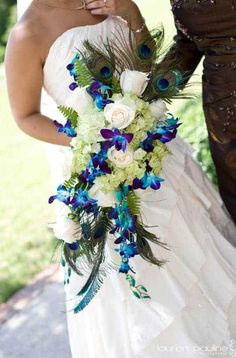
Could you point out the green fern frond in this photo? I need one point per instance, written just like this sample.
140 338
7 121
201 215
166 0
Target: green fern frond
84 77
72 181
69 113
116 85
133 203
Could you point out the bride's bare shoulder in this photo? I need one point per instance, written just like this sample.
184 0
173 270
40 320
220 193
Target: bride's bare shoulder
26 35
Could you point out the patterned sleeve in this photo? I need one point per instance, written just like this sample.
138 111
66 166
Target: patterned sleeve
184 51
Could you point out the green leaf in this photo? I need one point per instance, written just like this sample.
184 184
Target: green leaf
136 293
144 295
71 182
84 77
133 202
69 113
63 262
116 85
141 288
131 280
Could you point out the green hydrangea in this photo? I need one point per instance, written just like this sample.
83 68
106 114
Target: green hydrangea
88 134
110 182
156 157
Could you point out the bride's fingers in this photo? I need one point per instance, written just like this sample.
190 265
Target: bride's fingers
101 11
96 4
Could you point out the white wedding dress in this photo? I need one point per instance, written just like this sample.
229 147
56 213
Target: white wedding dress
193 297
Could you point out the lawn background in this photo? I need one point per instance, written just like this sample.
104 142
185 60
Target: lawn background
26 242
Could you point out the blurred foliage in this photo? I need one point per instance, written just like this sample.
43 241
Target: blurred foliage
7 20
27 243
194 131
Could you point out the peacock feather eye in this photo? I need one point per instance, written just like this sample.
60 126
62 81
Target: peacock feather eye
73 246
144 52
100 68
106 72
162 84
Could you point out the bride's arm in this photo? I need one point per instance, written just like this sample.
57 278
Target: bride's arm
24 76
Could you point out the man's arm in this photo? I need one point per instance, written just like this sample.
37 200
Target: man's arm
185 54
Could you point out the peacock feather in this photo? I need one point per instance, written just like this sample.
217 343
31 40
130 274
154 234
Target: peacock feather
106 64
90 257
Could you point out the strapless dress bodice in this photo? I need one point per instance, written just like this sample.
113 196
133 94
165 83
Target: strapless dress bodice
56 77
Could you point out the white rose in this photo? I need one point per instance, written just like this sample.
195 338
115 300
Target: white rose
104 199
119 158
134 82
119 115
66 229
158 108
79 100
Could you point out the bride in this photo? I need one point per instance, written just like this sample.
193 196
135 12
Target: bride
192 308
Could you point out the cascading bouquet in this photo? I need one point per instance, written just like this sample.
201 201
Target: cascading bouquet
119 124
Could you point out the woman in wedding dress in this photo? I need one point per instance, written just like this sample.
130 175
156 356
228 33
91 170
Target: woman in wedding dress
192 308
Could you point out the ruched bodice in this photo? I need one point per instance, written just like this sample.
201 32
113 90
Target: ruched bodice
64 48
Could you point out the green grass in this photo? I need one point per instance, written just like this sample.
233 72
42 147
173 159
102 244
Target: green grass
26 244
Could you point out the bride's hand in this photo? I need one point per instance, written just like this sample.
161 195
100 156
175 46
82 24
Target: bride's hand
111 7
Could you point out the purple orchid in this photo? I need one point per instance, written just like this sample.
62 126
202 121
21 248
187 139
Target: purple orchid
67 128
73 86
118 139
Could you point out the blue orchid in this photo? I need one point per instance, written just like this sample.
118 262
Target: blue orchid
148 180
71 68
88 175
168 131
147 144
100 94
125 267
81 199
67 128
73 86
118 139
129 250
124 221
101 102
64 195
99 160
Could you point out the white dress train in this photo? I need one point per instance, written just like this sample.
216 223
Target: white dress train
192 309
